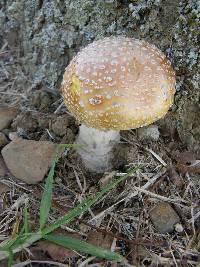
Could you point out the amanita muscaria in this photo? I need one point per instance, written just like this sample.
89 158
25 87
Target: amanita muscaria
114 84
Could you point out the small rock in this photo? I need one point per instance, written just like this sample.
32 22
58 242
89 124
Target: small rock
164 217
150 133
13 135
28 160
6 116
3 139
179 228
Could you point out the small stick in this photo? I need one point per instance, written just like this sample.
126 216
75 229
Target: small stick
131 195
85 262
166 199
59 108
157 157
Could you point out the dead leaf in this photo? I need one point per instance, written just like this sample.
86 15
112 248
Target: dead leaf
186 157
190 169
187 162
56 252
175 177
99 239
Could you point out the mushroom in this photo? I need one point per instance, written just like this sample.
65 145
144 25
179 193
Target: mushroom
114 84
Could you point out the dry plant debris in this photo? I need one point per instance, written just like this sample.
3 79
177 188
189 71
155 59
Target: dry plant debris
124 214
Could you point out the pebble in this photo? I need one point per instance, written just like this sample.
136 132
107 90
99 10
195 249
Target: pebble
6 116
13 135
28 160
179 228
3 139
150 133
164 217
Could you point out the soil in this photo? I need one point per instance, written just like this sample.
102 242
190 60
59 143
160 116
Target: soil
37 41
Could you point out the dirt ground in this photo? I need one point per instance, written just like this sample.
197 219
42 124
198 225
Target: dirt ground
134 218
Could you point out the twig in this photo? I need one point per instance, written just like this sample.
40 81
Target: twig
85 262
59 108
166 199
131 195
195 217
156 156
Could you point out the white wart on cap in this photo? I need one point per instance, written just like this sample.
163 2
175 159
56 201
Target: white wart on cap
119 83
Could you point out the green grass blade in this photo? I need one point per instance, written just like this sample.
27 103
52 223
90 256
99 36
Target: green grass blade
87 203
82 246
47 195
45 204
10 259
15 242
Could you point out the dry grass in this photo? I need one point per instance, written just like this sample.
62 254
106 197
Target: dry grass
123 214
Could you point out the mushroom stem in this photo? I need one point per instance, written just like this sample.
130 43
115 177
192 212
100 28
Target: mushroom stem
97 147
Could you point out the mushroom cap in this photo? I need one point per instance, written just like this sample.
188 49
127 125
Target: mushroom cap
118 83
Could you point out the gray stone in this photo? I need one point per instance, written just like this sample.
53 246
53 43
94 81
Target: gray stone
6 116
164 217
28 160
13 135
150 133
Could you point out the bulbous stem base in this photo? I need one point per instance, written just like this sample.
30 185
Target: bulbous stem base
97 151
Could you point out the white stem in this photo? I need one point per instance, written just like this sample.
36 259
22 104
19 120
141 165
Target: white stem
97 151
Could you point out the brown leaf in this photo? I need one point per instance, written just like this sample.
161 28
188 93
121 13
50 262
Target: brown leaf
187 162
175 177
100 239
56 252
186 157
194 168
